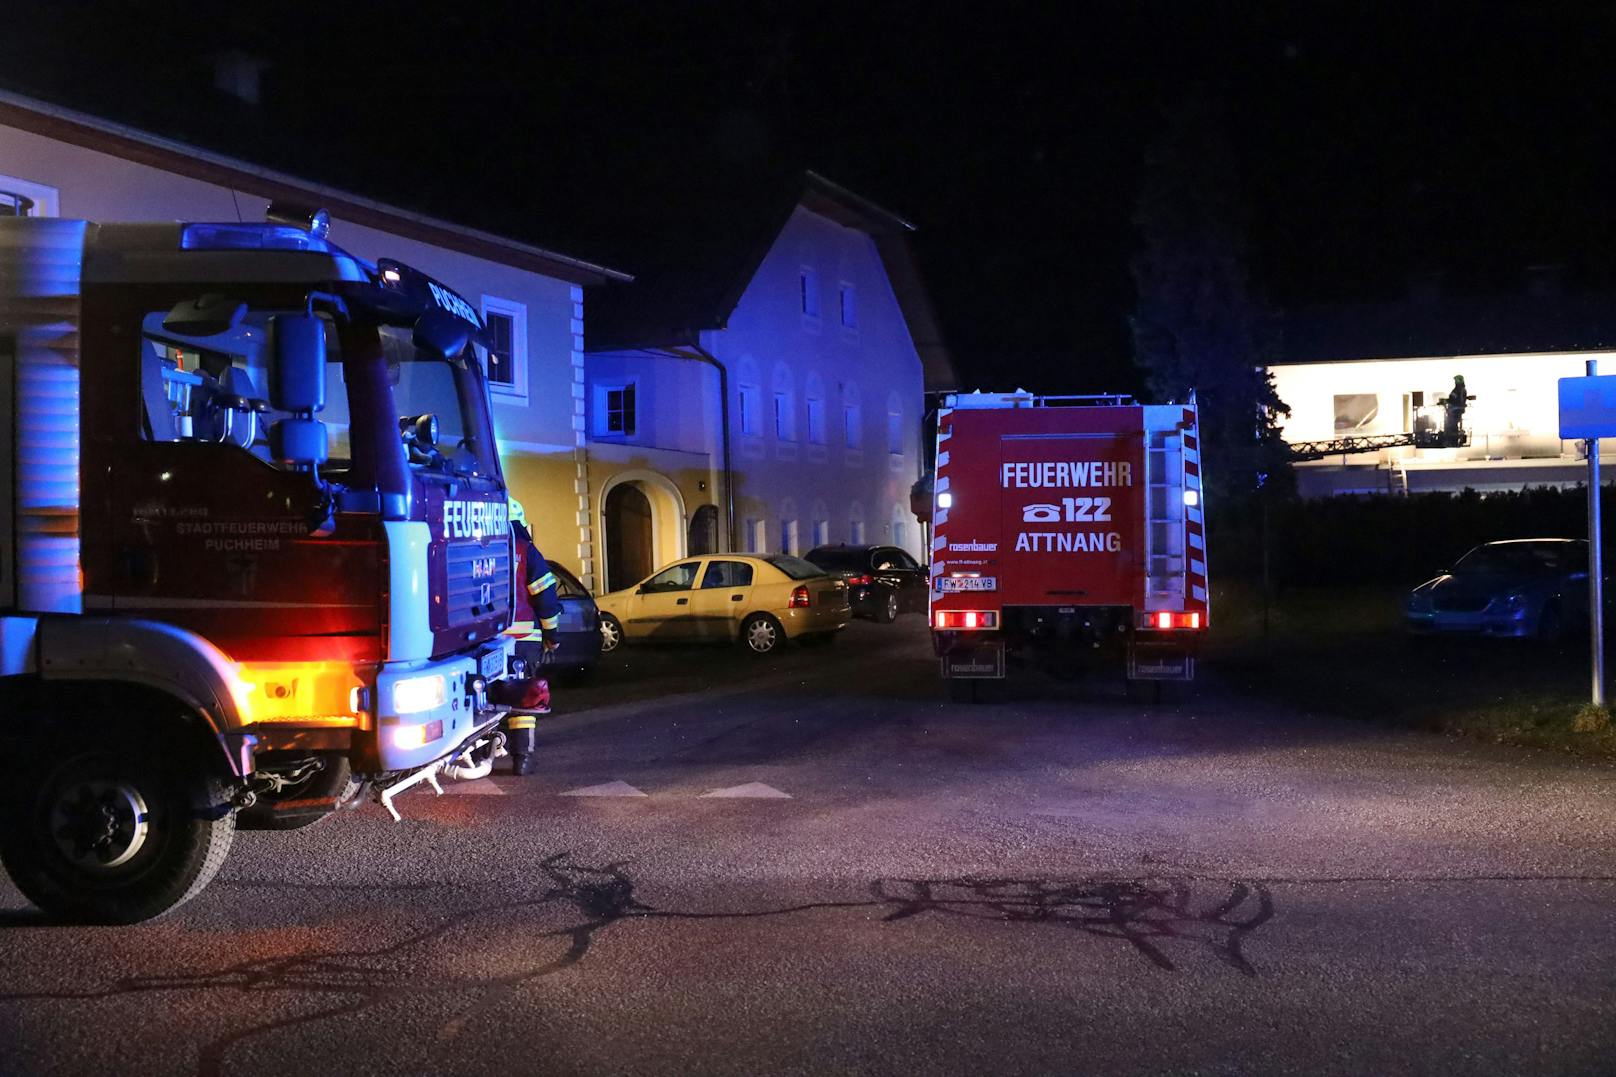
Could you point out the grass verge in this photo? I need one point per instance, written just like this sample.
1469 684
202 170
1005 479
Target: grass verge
1344 651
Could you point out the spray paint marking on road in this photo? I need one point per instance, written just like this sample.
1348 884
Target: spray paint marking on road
607 789
755 790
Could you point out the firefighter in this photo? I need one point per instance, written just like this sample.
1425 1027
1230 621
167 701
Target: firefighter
1453 409
531 698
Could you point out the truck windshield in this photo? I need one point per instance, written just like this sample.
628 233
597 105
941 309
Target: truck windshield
449 391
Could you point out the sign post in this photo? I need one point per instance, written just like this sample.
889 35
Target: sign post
1588 412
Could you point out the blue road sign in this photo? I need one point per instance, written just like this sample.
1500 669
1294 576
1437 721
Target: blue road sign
1588 407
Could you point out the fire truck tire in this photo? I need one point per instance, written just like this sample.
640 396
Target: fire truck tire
110 831
332 788
761 634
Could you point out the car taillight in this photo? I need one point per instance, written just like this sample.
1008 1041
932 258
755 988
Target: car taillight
967 619
860 581
1169 621
799 598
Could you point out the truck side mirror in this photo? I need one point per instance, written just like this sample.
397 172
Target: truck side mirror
297 385
441 333
298 380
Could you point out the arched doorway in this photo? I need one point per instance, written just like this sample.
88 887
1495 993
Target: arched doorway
703 536
629 556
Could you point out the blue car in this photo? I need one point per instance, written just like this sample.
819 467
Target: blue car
1535 588
578 631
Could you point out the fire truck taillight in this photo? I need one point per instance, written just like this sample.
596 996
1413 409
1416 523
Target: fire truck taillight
1168 621
968 619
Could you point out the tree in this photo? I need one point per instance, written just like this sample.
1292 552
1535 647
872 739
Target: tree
1197 325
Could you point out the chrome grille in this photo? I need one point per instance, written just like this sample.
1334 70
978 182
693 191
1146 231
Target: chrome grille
479 579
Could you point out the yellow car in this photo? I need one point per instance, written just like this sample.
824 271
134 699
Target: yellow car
760 600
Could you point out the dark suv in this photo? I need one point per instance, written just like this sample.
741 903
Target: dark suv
882 581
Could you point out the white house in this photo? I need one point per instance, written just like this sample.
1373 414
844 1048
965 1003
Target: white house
1375 370
762 390
54 161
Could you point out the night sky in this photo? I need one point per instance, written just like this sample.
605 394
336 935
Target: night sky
1472 139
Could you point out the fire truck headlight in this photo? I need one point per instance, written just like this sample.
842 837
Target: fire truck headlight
415 694
945 500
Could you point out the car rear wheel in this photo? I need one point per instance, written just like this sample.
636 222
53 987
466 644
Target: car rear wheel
611 634
887 611
761 634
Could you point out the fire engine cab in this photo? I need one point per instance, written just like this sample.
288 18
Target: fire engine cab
1066 530
253 546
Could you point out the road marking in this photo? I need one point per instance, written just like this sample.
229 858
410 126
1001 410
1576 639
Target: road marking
607 789
751 789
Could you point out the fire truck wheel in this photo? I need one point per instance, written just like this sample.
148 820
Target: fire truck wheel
329 788
888 611
761 634
611 634
114 832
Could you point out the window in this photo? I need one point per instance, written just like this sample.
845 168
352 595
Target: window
22 198
567 585
849 307
821 532
788 537
678 577
816 410
616 416
506 361
894 426
754 535
785 404
727 574
1356 412
810 293
853 425
855 524
215 389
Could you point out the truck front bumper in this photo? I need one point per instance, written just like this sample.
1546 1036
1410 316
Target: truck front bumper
428 710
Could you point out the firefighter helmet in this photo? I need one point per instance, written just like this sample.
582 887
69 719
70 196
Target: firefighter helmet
517 515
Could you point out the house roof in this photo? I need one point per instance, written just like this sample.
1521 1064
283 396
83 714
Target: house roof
1442 326
691 273
133 144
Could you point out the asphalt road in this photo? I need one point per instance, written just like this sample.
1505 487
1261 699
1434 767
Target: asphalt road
1067 882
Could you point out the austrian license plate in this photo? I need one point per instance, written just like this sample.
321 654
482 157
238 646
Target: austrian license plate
969 583
491 664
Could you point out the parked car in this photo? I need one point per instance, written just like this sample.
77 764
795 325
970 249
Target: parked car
760 600
578 630
1523 587
882 581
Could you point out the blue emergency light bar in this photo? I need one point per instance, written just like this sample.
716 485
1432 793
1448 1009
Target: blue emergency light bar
253 237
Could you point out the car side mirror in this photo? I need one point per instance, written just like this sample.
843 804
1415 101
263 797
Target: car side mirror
642 589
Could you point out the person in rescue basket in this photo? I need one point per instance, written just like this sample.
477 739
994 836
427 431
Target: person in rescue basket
531 697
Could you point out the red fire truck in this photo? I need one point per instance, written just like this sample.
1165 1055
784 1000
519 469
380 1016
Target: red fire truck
1066 529
253 547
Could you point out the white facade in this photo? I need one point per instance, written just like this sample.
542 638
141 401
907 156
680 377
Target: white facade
825 405
1513 421
538 416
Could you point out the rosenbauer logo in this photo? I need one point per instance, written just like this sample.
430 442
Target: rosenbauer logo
973 547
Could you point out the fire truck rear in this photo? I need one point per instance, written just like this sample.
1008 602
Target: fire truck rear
253 547
1067 531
